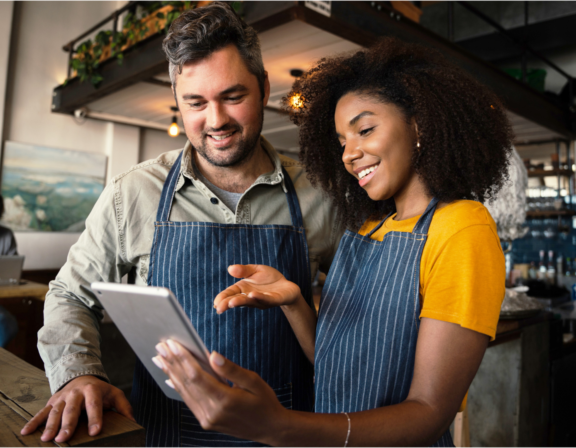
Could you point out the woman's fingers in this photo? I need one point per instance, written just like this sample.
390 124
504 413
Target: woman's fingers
245 379
199 389
242 270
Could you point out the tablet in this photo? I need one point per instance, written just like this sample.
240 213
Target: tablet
147 315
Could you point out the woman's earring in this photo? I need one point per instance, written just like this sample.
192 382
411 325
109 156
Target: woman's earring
418 145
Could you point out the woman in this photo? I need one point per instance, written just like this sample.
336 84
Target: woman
412 300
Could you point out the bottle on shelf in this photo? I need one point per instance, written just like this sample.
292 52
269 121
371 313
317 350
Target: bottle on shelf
559 265
542 267
551 270
532 271
568 270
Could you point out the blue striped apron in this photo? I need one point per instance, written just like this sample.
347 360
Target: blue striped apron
368 321
191 259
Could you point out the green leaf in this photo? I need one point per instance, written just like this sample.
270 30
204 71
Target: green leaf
160 15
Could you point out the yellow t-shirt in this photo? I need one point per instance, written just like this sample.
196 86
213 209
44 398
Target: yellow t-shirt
462 271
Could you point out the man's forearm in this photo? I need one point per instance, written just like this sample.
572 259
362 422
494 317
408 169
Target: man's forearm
69 341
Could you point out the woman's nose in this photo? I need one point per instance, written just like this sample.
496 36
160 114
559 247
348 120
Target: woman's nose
351 153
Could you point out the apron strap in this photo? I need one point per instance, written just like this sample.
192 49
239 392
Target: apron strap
168 191
421 226
293 204
423 223
380 224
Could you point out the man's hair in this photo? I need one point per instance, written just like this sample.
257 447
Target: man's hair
199 32
465 137
1 206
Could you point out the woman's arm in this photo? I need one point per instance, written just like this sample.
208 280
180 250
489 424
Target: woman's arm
447 358
264 287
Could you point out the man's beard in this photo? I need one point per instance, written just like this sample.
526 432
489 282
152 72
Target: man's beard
235 154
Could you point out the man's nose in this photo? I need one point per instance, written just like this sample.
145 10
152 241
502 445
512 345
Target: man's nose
217 116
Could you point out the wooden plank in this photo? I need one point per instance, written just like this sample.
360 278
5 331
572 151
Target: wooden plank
26 387
23 383
10 426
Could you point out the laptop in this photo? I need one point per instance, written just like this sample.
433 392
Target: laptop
11 269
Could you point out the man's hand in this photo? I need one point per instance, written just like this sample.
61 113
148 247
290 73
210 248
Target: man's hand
62 411
261 287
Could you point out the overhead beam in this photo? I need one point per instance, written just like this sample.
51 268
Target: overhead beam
363 24
357 22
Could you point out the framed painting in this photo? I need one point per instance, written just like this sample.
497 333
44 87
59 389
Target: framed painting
49 189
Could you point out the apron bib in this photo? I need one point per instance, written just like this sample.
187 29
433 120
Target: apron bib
369 320
191 259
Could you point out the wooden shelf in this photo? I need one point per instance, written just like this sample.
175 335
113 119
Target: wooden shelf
550 173
549 213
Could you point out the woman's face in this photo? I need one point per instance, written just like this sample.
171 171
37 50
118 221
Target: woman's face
377 145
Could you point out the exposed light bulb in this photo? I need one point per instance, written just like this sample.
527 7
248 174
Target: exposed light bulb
297 101
174 130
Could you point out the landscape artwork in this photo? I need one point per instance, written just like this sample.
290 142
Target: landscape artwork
49 189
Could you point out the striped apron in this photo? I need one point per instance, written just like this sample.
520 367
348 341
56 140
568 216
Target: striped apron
191 259
368 321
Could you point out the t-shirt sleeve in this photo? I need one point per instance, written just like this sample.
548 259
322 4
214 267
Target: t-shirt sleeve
465 281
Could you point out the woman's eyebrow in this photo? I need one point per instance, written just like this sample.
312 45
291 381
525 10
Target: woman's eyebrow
360 115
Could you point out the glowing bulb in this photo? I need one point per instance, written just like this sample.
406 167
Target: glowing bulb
174 130
297 101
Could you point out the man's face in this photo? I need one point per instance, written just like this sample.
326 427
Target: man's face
221 107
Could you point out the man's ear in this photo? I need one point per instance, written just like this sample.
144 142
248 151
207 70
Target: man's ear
266 89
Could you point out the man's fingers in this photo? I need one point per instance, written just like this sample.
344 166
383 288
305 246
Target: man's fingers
53 423
242 378
94 407
36 421
122 406
70 415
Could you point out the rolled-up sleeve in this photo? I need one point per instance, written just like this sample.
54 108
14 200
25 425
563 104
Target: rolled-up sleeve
69 341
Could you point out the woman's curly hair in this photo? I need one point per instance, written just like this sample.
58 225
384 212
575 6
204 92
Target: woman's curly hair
464 134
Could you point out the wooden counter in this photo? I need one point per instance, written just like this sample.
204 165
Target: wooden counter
24 391
28 289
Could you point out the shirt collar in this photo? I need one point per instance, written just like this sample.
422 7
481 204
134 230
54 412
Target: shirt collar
187 169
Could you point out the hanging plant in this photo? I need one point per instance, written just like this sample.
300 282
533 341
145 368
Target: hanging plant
147 19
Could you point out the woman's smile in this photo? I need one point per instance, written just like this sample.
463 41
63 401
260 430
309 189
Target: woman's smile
365 174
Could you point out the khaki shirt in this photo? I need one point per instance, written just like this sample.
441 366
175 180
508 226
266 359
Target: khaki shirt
118 238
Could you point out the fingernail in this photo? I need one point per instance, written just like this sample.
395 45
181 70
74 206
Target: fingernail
173 346
158 362
218 359
160 349
170 384
93 430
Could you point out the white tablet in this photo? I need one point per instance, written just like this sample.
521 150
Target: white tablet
147 315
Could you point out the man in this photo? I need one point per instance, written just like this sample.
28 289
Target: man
179 221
